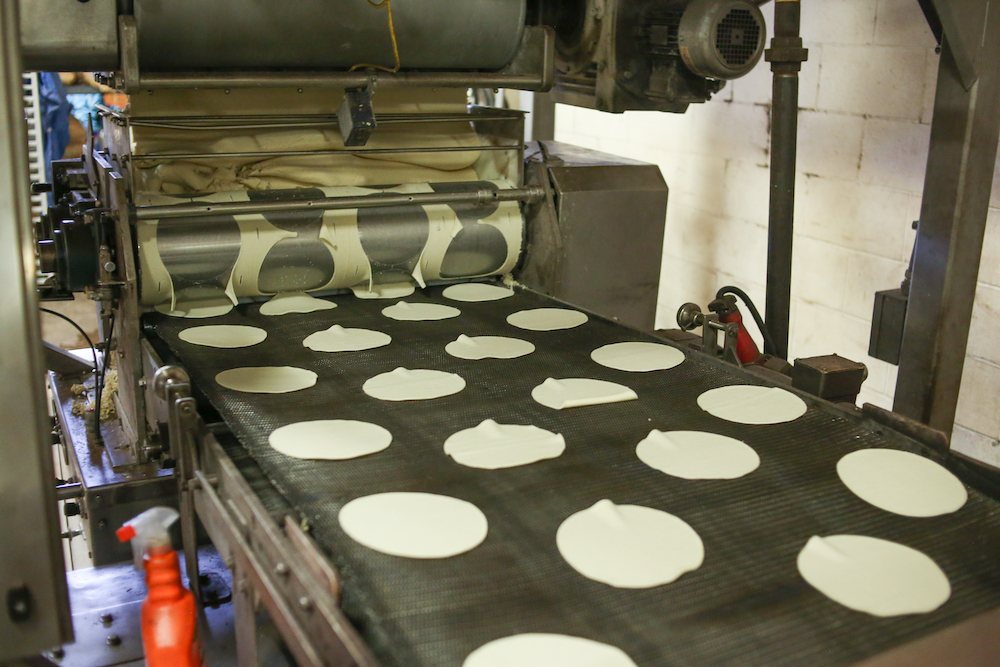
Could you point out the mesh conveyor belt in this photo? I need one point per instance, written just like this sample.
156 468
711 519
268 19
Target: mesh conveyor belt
746 605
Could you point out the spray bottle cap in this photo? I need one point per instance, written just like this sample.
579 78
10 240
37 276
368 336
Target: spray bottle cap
149 532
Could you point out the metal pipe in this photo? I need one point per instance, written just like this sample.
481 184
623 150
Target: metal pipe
371 151
69 491
356 79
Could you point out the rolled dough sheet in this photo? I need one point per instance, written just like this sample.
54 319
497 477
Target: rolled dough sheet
414 525
492 446
547 319
488 347
266 379
748 404
578 392
223 336
547 650
330 439
421 384
420 312
629 546
697 455
875 576
295 302
339 339
901 482
477 292
387 291
638 357
197 310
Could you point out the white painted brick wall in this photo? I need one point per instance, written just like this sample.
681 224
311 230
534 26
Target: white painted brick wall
866 98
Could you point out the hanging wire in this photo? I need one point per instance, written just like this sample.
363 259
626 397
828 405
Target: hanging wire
392 33
98 376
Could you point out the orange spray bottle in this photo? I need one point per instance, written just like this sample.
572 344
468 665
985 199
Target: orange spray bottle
169 615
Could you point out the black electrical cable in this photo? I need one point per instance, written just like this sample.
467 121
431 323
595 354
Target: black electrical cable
78 328
97 380
736 291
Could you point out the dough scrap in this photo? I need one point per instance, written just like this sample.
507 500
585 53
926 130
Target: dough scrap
295 302
578 392
471 292
225 336
547 319
697 455
420 312
638 357
414 525
629 546
492 446
387 291
488 347
547 650
901 482
421 384
330 439
339 339
750 404
266 379
878 577
197 310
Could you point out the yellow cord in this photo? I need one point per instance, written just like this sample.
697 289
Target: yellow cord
392 32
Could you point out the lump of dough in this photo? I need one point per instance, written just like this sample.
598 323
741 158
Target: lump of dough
875 576
492 446
387 291
266 379
750 404
414 525
629 546
295 302
223 336
638 357
697 455
477 292
488 347
901 482
547 319
420 312
421 384
578 392
547 650
330 439
339 339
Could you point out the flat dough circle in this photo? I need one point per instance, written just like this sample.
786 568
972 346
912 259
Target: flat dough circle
295 302
547 650
414 525
629 546
488 347
420 312
697 455
266 379
197 310
578 392
749 404
421 384
491 446
387 291
901 482
875 576
339 339
638 357
477 292
547 319
330 439
225 336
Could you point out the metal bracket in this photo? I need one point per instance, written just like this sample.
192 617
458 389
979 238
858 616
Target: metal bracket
690 317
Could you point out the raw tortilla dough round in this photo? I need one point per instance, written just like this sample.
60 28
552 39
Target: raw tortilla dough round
477 292
223 336
266 379
901 482
491 446
420 312
875 576
387 291
547 319
414 525
197 310
421 384
295 302
697 455
749 404
638 357
330 439
629 546
339 339
577 392
547 650
488 347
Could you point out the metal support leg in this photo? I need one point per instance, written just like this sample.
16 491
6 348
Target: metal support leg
245 619
543 117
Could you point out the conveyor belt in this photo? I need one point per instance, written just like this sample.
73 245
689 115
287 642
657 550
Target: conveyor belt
746 605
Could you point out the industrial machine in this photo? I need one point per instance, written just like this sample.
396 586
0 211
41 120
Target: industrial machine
285 149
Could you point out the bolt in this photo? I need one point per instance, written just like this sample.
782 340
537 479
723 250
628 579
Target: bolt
110 267
305 603
58 653
281 569
106 619
114 640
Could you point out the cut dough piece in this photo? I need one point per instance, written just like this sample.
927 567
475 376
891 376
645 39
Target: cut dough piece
547 650
547 319
266 379
749 404
492 446
477 292
875 576
223 336
295 302
638 357
387 291
488 347
577 392
697 455
197 310
403 384
414 525
330 439
339 339
629 546
901 482
420 312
